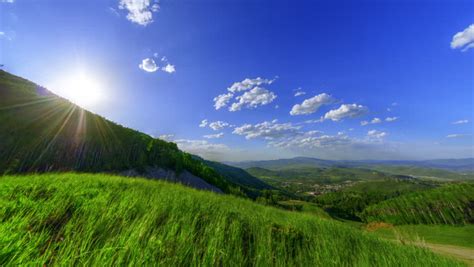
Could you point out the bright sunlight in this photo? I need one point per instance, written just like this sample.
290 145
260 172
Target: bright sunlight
80 88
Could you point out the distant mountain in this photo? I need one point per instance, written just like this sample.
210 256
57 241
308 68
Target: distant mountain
284 163
458 165
465 166
42 132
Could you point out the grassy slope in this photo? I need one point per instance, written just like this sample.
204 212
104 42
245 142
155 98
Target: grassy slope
350 201
103 220
43 132
439 234
449 204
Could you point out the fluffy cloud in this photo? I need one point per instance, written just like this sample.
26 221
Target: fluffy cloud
140 11
464 39
203 123
218 125
299 92
221 101
258 96
311 140
378 120
7 1
374 134
461 122
254 94
346 111
168 68
148 65
248 84
311 105
267 130
167 137
390 119
457 135
203 148
212 136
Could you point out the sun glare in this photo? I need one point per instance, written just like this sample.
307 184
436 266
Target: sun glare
80 88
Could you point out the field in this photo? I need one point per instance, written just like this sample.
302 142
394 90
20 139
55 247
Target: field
449 204
439 234
452 241
85 219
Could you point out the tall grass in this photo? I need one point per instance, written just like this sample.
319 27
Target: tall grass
451 204
83 219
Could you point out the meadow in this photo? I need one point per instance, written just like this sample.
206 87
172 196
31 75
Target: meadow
448 204
98 219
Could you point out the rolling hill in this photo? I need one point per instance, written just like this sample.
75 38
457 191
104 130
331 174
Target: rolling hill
41 132
451 169
449 204
87 220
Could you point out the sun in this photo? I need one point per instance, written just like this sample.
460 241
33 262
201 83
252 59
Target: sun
80 88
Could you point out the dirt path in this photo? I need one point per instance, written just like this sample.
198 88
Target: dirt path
461 253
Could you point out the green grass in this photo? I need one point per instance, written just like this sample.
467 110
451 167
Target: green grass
72 219
303 206
449 204
439 234
349 202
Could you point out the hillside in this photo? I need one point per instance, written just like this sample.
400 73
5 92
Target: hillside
72 219
42 132
449 204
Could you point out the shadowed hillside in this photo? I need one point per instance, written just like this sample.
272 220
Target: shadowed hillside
42 132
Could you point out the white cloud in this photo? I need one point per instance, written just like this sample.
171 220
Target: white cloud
346 111
169 68
461 122
167 137
140 11
298 93
464 39
457 135
203 123
312 140
218 125
7 36
148 65
314 121
212 136
390 119
376 121
311 105
221 101
258 96
374 134
7 1
267 130
203 148
254 94
248 84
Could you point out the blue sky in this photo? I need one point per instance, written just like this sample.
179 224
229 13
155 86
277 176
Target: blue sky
381 79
